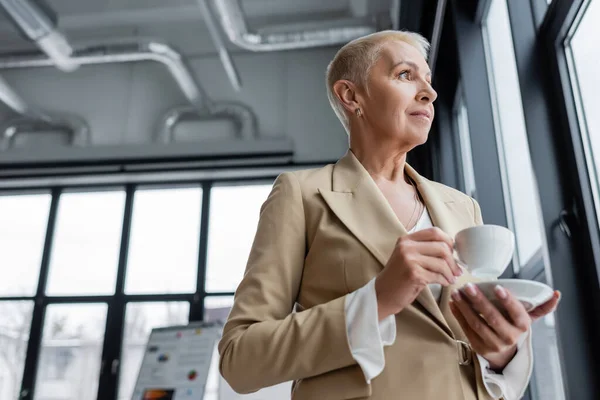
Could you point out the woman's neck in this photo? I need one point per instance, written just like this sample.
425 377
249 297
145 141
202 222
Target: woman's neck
382 161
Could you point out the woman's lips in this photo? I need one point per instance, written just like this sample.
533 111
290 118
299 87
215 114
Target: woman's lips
424 115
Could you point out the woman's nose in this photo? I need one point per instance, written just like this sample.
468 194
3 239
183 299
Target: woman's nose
428 94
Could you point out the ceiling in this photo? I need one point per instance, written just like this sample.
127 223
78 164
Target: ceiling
176 21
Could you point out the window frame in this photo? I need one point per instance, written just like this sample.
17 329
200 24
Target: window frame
519 264
561 175
571 254
584 133
464 165
115 321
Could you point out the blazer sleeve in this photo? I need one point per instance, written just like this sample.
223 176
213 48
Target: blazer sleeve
263 342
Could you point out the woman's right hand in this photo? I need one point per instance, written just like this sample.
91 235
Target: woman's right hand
418 259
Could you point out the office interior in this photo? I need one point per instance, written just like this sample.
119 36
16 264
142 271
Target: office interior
140 138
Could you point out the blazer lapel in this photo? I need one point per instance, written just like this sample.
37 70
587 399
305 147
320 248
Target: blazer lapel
359 204
443 218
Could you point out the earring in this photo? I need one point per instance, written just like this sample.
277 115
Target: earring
358 113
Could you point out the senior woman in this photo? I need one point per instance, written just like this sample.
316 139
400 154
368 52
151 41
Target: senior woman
350 287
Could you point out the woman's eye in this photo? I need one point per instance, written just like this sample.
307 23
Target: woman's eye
404 75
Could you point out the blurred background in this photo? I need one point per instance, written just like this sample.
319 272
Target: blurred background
139 139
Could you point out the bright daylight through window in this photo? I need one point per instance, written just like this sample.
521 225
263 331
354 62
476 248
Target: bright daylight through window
584 57
461 121
519 182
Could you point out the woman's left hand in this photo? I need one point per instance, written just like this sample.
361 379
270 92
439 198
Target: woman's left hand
492 335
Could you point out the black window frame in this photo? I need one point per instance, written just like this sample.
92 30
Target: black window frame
117 302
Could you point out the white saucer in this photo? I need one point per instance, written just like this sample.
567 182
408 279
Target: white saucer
530 293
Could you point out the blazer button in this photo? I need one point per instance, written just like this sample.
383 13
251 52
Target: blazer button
465 354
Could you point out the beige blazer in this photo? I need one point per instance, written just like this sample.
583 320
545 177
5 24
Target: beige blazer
322 234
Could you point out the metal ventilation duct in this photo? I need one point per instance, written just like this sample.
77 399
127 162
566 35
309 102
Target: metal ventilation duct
31 119
233 23
36 21
150 51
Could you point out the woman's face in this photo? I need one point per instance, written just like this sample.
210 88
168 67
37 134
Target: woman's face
400 98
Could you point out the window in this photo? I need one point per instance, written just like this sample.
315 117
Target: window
461 126
164 235
140 319
234 213
583 54
158 285
518 181
71 352
15 322
23 221
87 238
546 382
217 308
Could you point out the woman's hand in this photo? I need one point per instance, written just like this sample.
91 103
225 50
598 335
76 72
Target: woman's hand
492 335
418 259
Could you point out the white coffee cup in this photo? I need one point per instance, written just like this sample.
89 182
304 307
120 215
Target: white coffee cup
485 250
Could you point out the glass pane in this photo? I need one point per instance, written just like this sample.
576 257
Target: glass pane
23 222
15 322
217 308
70 357
514 148
85 251
547 377
234 213
163 250
140 318
462 124
586 54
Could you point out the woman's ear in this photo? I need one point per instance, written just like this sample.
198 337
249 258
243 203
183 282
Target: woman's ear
345 91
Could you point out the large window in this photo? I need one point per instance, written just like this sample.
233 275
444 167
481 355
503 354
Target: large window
154 255
23 221
234 213
70 358
583 56
140 319
518 179
86 243
15 323
164 236
461 127
520 188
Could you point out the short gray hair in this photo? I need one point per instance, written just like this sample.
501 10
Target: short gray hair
356 58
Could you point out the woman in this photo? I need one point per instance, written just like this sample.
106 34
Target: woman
362 252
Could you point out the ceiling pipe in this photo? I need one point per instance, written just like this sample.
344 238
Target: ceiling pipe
234 25
78 129
17 104
38 23
244 118
31 119
123 53
160 52
230 69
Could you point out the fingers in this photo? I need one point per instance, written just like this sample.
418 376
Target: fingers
547 307
475 323
474 339
516 311
437 266
434 234
503 328
441 251
433 277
